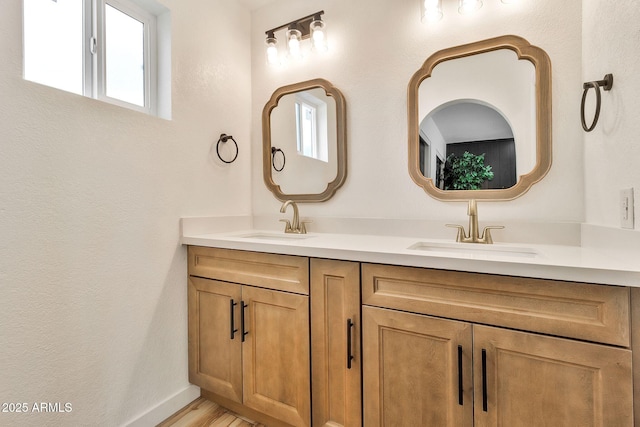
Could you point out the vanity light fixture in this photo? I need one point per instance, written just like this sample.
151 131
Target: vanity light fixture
468 6
318 37
431 10
272 49
294 37
309 27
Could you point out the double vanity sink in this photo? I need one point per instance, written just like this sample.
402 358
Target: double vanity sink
559 262
355 307
348 313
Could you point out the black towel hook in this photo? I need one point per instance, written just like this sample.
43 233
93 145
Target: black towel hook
224 138
607 84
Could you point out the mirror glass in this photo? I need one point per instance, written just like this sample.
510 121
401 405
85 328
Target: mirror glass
453 132
304 141
479 120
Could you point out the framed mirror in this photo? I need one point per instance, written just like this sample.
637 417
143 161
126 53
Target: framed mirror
304 141
479 118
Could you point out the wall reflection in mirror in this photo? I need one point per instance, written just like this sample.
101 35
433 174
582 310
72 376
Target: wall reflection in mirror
304 127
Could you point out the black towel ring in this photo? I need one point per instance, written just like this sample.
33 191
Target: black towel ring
274 151
224 138
607 84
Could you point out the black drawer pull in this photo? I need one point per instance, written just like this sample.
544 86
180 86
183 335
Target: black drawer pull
244 331
484 380
232 322
350 356
460 385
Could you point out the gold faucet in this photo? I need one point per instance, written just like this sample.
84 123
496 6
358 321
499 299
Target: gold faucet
474 236
295 226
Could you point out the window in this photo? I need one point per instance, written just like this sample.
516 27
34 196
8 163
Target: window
311 126
125 63
53 43
104 49
306 129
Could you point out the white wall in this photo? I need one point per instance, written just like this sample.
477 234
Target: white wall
93 306
612 150
375 47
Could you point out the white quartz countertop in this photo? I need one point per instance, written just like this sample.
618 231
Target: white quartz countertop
569 263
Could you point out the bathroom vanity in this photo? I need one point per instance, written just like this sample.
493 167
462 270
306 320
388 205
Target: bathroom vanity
321 330
359 329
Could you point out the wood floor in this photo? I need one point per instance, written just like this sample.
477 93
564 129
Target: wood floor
204 413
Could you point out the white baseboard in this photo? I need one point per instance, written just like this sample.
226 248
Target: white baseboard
165 409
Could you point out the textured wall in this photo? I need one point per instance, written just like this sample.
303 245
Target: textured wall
93 303
92 276
612 150
375 49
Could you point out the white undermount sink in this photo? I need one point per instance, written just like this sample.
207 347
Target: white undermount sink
265 235
476 249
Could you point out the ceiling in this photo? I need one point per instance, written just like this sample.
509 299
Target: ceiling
465 121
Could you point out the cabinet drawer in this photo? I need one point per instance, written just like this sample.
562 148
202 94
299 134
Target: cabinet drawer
578 310
279 272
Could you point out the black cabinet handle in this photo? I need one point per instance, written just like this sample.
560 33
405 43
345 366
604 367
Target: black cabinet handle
350 356
484 380
460 385
244 331
233 326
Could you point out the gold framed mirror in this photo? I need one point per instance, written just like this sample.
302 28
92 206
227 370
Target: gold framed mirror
491 96
304 141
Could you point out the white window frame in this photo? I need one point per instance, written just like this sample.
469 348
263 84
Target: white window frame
150 58
318 145
303 145
94 52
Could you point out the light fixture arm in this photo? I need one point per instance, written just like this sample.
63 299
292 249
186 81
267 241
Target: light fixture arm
301 24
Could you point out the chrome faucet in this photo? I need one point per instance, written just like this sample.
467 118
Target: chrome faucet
474 236
295 226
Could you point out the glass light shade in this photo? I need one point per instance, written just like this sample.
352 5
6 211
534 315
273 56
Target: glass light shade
294 37
431 10
468 6
318 36
272 51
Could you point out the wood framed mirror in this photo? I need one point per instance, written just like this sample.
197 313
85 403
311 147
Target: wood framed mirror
304 141
491 101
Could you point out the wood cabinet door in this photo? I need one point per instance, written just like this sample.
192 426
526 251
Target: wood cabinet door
534 380
413 371
215 355
276 356
335 343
